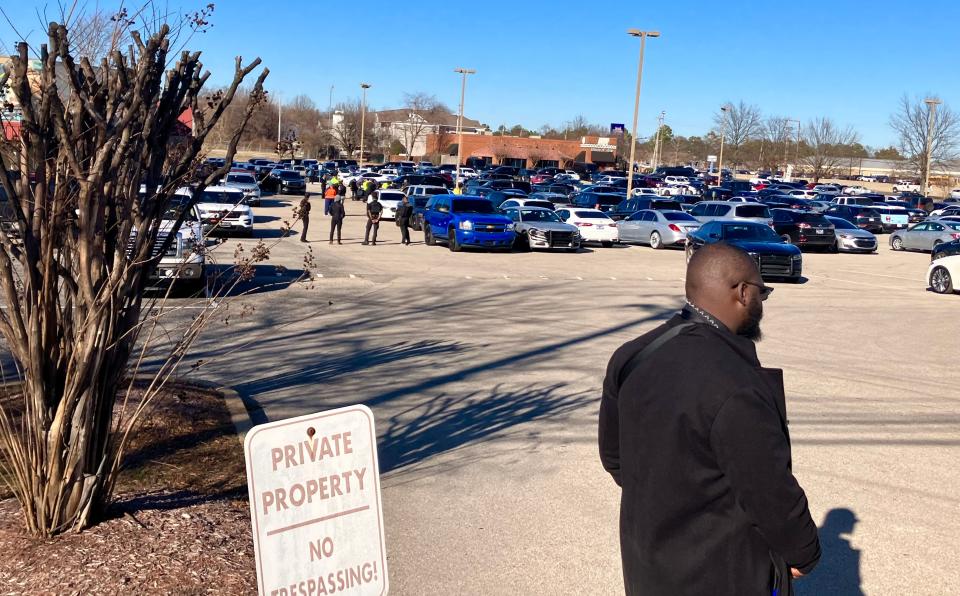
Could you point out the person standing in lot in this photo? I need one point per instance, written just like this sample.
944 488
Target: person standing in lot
304 209
329 196
404 213
374 210
353 188
459 189
694 431
337 213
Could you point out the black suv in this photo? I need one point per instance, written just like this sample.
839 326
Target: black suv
290 182
863 217
628 207
803 228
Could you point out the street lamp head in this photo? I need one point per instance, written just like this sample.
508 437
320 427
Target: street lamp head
465 70
932 101
365 85
639 33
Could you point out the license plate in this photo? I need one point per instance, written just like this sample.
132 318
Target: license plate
225 224
600 227
819 231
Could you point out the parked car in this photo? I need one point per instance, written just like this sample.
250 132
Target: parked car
606 202
775 257
628 207
419 203
856 190
945 249
711 210
290 182
390 199
247 183
594 225
223 210
539 227
892 218
850 238
864 200
925 235
658 228
498 197
184 262
554 197
803 228
863 217
942 273
906 186
462 220
526 202
421 189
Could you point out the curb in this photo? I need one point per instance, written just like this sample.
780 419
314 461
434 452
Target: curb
238 407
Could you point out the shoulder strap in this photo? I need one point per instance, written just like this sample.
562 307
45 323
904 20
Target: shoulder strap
635 360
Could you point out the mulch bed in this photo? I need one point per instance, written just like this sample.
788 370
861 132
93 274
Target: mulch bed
180 523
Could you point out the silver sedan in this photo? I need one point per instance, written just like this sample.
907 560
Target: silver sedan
658 228
925 235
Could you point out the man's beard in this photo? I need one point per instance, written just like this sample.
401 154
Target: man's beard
750 328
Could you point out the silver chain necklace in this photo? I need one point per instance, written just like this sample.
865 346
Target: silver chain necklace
703 314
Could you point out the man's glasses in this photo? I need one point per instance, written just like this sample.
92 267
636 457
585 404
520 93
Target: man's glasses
765 291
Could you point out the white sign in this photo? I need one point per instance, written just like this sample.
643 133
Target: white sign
314 484
712 158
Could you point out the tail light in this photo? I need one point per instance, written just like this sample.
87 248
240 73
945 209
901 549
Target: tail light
955 236
612 224
803 226
674 227
583 224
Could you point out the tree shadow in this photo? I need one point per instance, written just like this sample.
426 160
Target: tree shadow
447 422
838 572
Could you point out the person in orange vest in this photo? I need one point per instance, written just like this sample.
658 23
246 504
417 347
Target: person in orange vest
329 196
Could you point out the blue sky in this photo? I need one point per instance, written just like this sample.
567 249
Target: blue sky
545 62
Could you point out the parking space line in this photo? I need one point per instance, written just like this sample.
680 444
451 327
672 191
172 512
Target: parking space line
912 279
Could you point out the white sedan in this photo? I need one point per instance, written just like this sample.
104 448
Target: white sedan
594 225
859 190
955 193
390 199
942 274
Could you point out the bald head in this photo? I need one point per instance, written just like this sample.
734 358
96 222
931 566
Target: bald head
716 268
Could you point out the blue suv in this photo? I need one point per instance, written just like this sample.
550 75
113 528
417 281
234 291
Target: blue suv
461 220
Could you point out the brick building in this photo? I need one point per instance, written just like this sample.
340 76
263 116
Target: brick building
524 152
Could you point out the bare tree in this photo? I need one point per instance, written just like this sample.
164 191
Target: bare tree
422 108
917 139
740 123
81 245
775 137
825 145
346 128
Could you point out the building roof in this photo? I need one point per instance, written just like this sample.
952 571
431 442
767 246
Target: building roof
436 117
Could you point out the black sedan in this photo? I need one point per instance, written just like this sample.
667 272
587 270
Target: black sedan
803 228
864 218
775 257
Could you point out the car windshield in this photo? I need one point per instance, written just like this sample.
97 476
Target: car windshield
538 215
678 216
391 196
473 206
753 232
221 196
435 191
952 224
752 211
812 218
591 215
290 175
241 178
865 212
544 204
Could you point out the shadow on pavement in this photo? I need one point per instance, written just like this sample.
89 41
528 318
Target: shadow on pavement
448 421
838 572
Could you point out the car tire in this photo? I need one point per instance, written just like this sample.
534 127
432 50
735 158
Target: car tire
940 281
452 243
522 242
656 242
606 244
834 248
787 238
428 238
896 243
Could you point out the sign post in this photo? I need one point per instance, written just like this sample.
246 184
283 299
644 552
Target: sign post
314 484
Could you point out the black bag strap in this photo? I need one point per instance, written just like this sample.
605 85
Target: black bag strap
635 360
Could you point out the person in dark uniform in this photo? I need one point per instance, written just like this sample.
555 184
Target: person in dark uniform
304 215
353 188
694 431
374 210
404 213
337 213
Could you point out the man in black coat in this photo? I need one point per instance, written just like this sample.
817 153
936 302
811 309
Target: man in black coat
374 211
337 213
404 213
694 431
305 215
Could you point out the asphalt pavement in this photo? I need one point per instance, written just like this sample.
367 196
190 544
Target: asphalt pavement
484 373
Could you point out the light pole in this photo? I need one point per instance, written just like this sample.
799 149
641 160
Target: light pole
723 130
796 161
656 144
363 120
463 92
643 35
932 104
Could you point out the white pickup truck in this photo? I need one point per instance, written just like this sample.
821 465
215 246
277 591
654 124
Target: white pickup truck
184 262
906 186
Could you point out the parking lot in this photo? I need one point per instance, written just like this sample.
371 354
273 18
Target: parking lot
484 372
